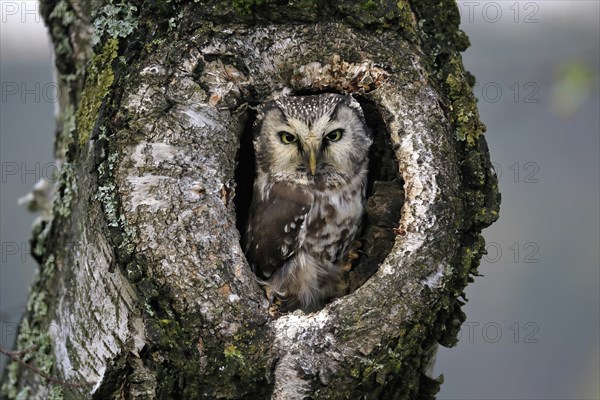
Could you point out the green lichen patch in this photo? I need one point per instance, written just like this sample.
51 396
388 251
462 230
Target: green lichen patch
442 41
236 364
38 346
39 237
66 192
10 386
464 113
486 216
122 235
106 196
116 21
64 13
58 19
48 267
56 393
97 86
37 304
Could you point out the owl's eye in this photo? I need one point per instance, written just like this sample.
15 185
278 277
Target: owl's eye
287 137
334 136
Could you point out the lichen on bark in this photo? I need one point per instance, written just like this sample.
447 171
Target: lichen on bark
150 286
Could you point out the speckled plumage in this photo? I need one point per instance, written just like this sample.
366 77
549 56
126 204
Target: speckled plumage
309 194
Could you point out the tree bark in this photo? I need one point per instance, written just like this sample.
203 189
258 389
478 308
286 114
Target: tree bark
143 289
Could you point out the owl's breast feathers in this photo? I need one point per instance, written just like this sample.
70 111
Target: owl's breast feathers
276 228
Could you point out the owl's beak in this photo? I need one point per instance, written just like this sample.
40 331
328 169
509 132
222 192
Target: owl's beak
312 147
312 161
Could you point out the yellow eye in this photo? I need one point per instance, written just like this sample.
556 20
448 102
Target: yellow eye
287 137
334 136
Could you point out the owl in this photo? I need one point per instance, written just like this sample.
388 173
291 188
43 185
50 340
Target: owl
309 194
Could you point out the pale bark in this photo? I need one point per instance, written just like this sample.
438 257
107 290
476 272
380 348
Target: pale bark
144 288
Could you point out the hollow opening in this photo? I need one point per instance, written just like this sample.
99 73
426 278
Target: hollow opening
385 196
244 174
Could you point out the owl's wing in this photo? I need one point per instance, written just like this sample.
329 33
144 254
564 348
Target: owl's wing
275 229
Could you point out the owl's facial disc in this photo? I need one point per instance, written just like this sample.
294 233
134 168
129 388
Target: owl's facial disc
314 138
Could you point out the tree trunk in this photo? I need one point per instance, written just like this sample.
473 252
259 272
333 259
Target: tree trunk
143 289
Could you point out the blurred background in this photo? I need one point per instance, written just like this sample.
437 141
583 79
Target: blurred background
533 320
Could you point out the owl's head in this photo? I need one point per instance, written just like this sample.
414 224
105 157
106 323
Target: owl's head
312 137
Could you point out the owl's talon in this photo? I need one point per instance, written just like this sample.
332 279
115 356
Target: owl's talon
354 252
270 295
274 311
274 303
347 266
